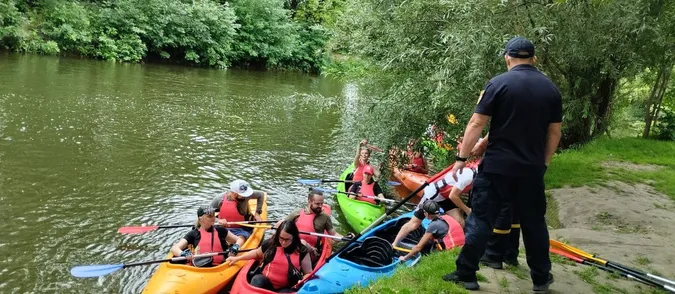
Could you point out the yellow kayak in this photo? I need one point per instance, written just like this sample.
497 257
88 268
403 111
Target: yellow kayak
182 279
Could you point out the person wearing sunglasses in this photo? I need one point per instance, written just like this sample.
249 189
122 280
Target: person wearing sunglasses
206 238
285 261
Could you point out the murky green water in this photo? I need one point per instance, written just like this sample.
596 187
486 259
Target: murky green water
89 146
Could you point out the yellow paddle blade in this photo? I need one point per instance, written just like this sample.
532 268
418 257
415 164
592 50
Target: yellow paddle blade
402 249
575 251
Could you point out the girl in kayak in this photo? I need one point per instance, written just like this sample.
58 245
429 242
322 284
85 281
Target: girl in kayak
417 163
206 238
367 187
284 260
443 232
361 160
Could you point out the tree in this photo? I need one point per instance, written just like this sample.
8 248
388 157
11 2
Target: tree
432 58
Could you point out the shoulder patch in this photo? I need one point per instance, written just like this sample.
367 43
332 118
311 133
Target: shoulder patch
480 96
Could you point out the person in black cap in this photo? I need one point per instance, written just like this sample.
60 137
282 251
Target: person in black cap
206 238
524 108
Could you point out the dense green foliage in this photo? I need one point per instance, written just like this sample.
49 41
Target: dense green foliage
261 33
428 59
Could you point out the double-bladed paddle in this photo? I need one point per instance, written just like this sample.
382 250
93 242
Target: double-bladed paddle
635 274
89 271
319 181
145 229
327 190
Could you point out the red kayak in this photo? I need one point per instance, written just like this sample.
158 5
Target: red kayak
241 284
412 180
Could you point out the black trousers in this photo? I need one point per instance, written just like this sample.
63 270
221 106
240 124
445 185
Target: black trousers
505 239
491 194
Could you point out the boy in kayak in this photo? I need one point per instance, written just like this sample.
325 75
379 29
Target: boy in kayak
443 232
233 207
312 219
367 189
451 204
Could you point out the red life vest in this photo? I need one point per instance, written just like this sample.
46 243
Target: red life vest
419 164
455 236
358 173
305 222
277 270
228 211
205 245
367 190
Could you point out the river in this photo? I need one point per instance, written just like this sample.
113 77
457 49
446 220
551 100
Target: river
89 146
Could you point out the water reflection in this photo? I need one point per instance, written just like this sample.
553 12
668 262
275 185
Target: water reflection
87 147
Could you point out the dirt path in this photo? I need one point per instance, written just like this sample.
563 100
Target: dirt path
630 224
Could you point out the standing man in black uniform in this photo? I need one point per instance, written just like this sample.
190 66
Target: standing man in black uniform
524 108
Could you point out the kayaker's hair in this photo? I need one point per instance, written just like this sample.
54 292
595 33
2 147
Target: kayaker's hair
313 192
291 228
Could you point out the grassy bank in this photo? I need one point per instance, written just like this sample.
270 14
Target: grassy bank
627 159
605 159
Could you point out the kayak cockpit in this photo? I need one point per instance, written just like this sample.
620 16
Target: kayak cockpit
377 251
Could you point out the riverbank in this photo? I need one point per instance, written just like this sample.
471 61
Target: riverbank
613 197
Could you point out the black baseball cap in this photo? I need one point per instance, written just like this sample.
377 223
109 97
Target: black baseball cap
431 207
519 47
205 210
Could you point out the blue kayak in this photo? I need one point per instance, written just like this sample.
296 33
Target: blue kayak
365 261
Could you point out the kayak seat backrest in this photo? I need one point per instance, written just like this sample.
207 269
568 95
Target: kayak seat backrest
373 252
389 233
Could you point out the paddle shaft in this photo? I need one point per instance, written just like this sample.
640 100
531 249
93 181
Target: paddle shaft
391 210
624 270
181 258
372 197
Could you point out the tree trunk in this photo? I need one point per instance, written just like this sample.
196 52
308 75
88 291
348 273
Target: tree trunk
603 102
660 83
659 96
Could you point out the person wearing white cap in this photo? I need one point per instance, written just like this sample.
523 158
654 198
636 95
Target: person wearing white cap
233 207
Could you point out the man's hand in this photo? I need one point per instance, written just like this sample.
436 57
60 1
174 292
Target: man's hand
257 217
478 149
223 222
457 167
350 235
402 258
311 249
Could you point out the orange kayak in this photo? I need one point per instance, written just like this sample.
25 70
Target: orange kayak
410 180
241 284
182 279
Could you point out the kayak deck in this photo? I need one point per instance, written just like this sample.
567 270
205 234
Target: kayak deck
170 278
359 214
242 284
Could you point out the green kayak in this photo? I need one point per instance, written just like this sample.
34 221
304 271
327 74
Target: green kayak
359 214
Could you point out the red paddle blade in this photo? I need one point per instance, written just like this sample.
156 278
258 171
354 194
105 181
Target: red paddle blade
137 230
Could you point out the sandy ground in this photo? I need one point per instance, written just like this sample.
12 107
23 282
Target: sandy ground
630 224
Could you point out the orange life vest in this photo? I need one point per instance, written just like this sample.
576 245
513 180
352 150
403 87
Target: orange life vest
367 190
455 235
305 222
210 242
228 211
358 172
277 270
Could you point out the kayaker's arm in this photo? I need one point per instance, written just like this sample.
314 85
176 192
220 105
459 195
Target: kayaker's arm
358 153
217 202
306 264
410 226
255 254
334 233
454 197
259 197
177 249
417 248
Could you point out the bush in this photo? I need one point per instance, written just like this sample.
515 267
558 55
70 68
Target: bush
11 21
665 126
